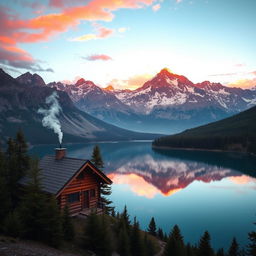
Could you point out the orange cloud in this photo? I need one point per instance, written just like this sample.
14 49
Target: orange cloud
98 57
102 32
241 179
43 27
132 83
244 83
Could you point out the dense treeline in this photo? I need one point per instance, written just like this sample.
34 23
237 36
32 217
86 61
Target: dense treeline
226 143
236 133
27 212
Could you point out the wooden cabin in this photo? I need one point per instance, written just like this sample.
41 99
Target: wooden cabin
74 182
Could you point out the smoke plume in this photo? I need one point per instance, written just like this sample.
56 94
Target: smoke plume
50 119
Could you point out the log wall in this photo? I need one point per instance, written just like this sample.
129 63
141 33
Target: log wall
87 182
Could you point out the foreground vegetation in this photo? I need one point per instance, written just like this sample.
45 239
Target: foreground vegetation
28 213
236 133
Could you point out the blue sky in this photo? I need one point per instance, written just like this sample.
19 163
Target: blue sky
125 43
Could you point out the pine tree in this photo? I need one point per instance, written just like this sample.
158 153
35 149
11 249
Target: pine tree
91 232
67 225
52 228
123 240
234 248
17 163
33 205
97 235
152 227
126 218
137 245
175 244
13 175
96 158
205 248
12 225
251 248
4 190
160 234
220 252
39 215
190 250
21 151
105 189
105 237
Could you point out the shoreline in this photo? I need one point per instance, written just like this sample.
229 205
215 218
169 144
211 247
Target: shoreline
203 149
90 142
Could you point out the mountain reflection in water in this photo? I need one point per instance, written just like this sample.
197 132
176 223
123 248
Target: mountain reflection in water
148 176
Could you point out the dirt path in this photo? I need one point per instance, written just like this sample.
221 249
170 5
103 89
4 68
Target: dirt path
162 245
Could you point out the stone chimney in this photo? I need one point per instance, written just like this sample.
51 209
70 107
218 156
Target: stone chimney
60 153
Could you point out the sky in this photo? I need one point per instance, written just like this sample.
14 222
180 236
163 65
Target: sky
126 43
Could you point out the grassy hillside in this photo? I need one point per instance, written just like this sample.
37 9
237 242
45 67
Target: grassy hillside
236 133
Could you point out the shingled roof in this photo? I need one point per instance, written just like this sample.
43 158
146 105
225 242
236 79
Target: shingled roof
56 174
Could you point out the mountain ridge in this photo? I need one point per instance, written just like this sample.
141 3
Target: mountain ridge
168 103
19 104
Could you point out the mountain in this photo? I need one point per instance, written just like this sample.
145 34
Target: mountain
168 103
20 100
98 102
236 133
30 79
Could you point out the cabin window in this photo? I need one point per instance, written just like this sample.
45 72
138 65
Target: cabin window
92 193
74 197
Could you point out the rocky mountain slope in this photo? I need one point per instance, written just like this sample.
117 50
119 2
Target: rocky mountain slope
19 104
168 103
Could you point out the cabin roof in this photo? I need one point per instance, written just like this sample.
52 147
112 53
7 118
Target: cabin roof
56 174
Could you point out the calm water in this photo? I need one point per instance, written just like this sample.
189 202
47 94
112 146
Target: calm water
197 190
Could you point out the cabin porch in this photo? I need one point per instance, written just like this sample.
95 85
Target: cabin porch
92 210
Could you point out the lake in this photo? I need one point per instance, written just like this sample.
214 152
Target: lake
197 190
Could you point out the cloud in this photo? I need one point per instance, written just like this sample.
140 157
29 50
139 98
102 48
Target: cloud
156 7
122 30
12 56
15 30
243 179
64 3
101 33
178 1
226 74
132 82
244 83
98 57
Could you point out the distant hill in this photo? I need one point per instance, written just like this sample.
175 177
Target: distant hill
236 133
20 100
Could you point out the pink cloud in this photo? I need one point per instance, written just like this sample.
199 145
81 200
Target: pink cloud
98 57
101 32
44 27
156 7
